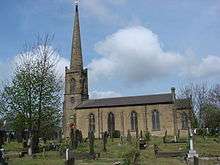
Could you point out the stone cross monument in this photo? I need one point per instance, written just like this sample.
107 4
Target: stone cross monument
191 152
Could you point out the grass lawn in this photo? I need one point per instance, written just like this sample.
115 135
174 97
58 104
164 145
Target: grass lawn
115 152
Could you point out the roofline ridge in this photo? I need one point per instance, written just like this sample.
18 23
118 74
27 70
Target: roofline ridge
129 96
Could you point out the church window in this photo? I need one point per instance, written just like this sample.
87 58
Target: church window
184 120
111 122
134 121
155 120
92 122
72 86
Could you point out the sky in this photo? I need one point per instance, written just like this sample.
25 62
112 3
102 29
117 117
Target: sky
130 47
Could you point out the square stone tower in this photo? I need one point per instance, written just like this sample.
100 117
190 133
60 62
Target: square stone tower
76 80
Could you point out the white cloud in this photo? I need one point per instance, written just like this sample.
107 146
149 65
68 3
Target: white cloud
103 94
206 67
6 69
134 54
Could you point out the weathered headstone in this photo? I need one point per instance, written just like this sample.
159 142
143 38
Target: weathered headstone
91 142
105 139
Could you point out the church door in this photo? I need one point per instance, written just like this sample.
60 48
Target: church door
111 122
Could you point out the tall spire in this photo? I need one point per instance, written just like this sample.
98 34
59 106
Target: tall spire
76 53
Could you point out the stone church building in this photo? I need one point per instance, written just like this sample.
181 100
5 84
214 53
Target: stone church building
154 113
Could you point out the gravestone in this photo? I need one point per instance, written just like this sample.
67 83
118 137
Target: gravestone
142 142
70 160
91 142
29 144
191 153
121 140
105 139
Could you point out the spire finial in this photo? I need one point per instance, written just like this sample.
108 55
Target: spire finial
77 2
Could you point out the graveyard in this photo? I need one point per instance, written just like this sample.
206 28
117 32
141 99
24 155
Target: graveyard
117 151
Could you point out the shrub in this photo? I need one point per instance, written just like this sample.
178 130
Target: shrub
131 156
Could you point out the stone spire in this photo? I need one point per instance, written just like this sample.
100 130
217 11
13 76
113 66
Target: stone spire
76 53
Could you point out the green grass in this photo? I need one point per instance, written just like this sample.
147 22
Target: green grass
207 147
13 146
115 152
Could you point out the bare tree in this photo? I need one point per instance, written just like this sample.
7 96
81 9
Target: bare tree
199 93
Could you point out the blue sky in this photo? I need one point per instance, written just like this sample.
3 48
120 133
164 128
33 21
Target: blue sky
131 47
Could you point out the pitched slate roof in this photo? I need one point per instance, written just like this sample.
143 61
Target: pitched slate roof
183 104
127 101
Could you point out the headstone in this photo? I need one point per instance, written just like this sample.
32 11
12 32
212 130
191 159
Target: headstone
105 139
142 142
30 146
91 142
121 139
192 153
70 160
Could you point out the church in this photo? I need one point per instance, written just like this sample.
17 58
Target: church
156 113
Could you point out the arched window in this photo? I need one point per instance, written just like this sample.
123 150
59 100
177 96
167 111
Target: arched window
155 120
72 86
111 122
134 121
184 120
92 122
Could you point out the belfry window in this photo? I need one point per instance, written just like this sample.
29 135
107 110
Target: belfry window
134 121
184 120
92 122
111 122
155 120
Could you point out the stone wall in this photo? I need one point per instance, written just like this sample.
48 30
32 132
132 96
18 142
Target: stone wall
122 119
